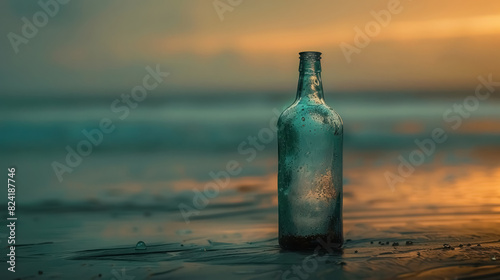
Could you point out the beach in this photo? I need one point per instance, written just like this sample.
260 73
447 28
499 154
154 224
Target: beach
139 140
439 221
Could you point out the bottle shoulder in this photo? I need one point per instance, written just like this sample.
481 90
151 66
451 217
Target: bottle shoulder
318 112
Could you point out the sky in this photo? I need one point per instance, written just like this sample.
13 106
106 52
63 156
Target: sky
98 47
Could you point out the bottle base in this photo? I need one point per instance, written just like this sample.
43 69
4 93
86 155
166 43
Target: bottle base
311 242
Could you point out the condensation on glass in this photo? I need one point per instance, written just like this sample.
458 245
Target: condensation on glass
310 165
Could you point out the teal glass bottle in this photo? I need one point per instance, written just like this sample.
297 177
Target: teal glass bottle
310 135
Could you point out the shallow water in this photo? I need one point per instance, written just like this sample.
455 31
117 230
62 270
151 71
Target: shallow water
455 203
130 189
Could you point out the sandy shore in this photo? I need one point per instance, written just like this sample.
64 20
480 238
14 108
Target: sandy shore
442 222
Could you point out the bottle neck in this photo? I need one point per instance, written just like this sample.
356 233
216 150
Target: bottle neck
310 86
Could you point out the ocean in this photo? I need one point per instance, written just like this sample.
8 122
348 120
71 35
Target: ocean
87 200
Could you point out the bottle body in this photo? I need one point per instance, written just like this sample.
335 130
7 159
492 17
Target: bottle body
310 136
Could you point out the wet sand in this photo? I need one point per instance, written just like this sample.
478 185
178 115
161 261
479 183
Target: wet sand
442 222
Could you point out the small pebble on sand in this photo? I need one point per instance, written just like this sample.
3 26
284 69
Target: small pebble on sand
141 245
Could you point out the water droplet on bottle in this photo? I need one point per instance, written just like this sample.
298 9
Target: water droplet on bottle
140 245
303 119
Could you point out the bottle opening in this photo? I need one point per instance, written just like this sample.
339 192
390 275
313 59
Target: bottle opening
310 55
310 62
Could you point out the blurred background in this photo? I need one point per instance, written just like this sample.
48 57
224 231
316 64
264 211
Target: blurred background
230 65
394 70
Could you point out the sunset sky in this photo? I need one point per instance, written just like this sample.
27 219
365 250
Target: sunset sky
99 47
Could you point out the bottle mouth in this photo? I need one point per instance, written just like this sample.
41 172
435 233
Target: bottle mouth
310 55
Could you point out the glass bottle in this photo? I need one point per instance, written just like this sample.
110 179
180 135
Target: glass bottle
310 165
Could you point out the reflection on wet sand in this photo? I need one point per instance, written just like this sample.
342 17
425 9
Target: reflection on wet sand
390 234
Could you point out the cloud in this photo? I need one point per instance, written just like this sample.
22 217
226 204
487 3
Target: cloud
102 45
